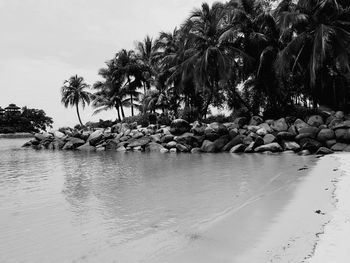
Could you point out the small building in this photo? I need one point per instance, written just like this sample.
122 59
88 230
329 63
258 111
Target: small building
2 112
12 110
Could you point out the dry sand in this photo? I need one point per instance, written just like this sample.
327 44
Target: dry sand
281 225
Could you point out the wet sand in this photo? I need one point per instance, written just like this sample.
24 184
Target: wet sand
333 245
280 225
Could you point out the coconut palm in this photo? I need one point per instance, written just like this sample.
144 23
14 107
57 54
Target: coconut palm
318 54
74 93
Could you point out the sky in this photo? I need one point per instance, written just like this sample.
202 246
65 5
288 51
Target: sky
44 42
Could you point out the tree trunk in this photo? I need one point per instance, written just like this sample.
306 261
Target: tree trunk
132 105
118 111
122 110
76 105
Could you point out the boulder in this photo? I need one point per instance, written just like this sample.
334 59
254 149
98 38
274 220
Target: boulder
311 130
186 138
261 132
76 142
330 143
171 144
154 147
86 147
58 144
198 128
210 134
315 121
250 148
155 137
235 141
334 123
218 128
339 115
272 147
288 136
255 121
183 148
233 133
310 144
304 152
324 150
59 135
95 137
293 130
208 146
111 145
291 146
179 126
167 138
247 140
266 127
342 125
325 135
343 135
173 150
258 142
121 149
140 142
299 124
43 136
338 147
68 146
253 128
221 142
239 148
196 150
241 121
269 138
280 125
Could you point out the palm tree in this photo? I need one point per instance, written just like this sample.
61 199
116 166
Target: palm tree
74 93
318 54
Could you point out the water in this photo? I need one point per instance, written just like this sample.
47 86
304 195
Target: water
122 207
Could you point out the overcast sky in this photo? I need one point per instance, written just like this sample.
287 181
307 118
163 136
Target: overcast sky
44 42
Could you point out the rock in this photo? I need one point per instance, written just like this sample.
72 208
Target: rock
155 147
288 136
198 128
43 136
58 144
261 132
140 142
231 126
233 133
299 124
258 142
330 143
208 146
86 147
250 148
304 152
324 150
310 144
210 134
59 135
312 130
183 148
121 149
137 149
76 142
138 135
305 135
173 150
239 148
293 130
235 141
255 121
343 135
186 138
155 138
164 150
167 138
325 135
171 144
339 115
116 128
315 121
95 137
68 146
221 142
241 121
247 140
253 128
272 147
27 144
196 150
179 126
266 127
280 125
111 145
334 123
291 146
338 147
269 122
342 125
218 128
269 138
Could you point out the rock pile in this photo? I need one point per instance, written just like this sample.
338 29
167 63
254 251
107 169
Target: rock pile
314 135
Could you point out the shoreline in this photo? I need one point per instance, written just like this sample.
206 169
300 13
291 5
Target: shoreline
332 242
16 135
279 226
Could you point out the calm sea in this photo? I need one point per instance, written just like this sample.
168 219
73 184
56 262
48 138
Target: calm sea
122 207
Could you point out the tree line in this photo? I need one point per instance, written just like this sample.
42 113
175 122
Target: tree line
242 54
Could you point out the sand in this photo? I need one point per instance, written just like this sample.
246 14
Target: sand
333 245
282 225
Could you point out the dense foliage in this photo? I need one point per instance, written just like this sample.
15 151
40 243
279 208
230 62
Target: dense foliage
30 120
242 54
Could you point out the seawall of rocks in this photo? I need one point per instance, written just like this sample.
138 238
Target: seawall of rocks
315 135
